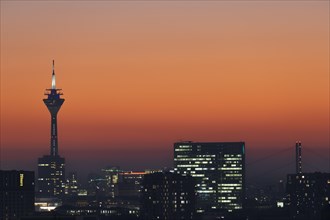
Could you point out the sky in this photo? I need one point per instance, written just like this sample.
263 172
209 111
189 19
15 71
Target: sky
138 76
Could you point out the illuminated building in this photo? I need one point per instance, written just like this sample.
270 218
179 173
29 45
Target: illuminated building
308 193
71 186
111 177
130 189
130 184
219 170
51 168
16 194
168 196
96 212
47 204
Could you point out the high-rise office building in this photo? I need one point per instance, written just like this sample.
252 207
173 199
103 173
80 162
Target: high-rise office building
51 168
16 194
219 170
167 196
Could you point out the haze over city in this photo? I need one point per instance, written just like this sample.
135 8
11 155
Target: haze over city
139 76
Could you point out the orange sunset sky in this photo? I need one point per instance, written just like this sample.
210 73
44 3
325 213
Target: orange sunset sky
140 75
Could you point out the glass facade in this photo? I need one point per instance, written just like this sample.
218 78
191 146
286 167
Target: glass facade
219 170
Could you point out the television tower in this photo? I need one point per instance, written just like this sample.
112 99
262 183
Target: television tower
51 168
53 103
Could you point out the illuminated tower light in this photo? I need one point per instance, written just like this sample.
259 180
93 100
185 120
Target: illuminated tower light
53 77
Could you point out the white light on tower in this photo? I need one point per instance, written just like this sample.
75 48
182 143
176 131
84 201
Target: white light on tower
53 78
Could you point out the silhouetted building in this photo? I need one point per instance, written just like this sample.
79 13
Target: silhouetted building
97 185
168 196
130 184
219 170
308 193
281 188
104 184
51 168
16 194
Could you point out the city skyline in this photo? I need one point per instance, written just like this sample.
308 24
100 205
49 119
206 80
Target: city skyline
150 74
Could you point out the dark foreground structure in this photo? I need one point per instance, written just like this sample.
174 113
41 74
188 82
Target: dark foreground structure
16 194
308 195
219 171
168 196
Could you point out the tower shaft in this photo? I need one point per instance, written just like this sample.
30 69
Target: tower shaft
53 136
298 158
53 103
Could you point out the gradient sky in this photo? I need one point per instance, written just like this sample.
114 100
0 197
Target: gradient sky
140 75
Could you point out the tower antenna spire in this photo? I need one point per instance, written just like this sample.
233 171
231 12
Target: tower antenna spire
53 76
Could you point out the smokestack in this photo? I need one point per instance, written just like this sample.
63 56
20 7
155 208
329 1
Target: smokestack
298 157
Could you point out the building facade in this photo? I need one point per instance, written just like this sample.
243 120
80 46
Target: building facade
308 193
110 174
16 194
130 184
51 176
219 171
71 186
168 196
